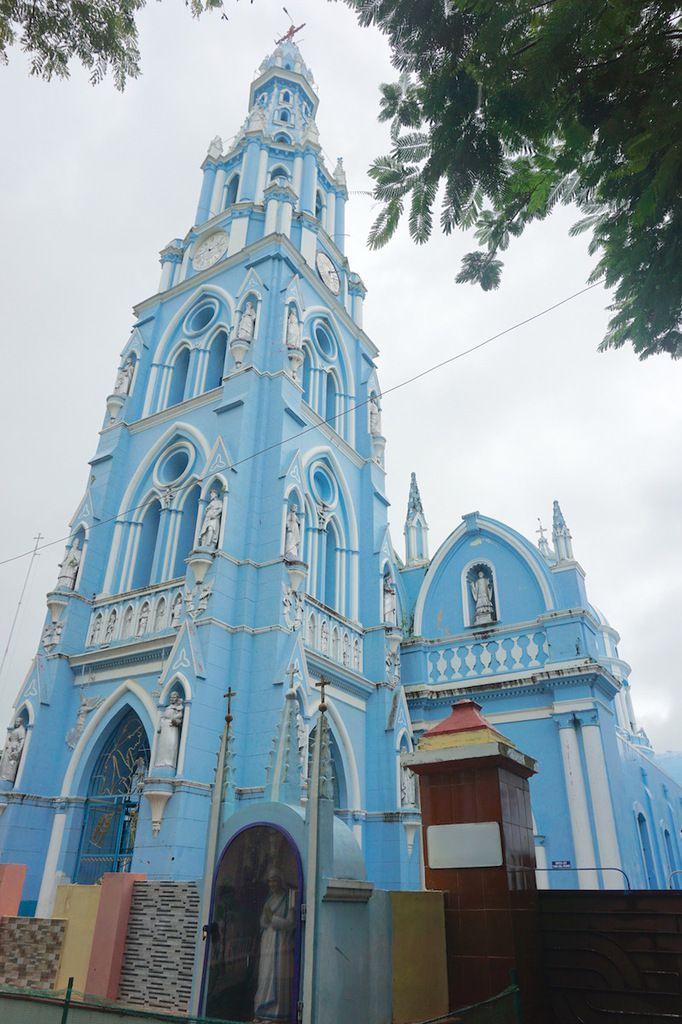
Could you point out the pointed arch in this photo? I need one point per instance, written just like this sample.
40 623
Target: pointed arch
128 693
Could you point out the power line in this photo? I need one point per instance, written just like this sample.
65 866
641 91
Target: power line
34 554
332 419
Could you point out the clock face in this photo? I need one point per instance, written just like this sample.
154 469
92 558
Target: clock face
210 250
328 273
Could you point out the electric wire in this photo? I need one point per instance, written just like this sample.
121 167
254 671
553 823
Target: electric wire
331 419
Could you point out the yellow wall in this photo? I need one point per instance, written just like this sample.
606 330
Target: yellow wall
76 904
420 981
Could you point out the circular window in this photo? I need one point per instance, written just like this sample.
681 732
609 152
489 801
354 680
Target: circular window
200 317
324 341
174 464
324 488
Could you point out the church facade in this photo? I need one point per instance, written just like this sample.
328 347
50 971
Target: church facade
233 537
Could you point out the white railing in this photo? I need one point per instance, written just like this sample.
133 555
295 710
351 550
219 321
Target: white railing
487 657
332 635
135 615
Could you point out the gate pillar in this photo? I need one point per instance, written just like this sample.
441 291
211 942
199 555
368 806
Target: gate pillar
477 835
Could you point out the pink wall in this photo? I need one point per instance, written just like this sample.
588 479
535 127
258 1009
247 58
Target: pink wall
11 886
108 942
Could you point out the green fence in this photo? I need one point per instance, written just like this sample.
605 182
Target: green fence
67 1006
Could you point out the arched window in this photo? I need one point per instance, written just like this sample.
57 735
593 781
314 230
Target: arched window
111 807
673 880
283 137
216 361
279 172
284 116
179 377
305 376
647 854
286 96
232 190
144 561
330 401
319 206
187 530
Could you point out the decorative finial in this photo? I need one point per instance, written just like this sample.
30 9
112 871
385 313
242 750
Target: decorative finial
561 535
543 543
288 36
323 703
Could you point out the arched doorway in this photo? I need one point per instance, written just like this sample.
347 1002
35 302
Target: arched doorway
254 951
112 804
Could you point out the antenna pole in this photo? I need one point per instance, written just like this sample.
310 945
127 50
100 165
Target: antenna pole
21 598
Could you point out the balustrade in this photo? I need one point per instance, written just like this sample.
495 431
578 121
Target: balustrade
132 616
488 657
332 635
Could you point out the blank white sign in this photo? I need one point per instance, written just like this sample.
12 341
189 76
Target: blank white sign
476 845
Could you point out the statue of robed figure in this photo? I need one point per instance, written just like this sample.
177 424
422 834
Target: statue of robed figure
276 961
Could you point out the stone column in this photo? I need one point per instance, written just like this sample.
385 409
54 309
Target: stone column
217 194
203 209
577 803
309 185
600 792
477 835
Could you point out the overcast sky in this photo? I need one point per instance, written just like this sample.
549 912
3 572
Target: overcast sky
92 185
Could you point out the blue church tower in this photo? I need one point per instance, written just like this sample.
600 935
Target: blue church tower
233 533
233 537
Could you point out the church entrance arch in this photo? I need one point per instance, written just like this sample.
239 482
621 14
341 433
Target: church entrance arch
113 800
253 959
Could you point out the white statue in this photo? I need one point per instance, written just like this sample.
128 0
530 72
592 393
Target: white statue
143 621
408 787
124 378
247 322
356 655
346 650
127 628
256 119
139 775
69 567
276 960
292 536
176 611
170 725
210 529
374 416
86 705
324 637
111 626
159 615
11 755
96 631
482 593
293 330
390 614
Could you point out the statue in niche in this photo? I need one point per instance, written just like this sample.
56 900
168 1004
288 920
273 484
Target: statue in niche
293 608
311 631
247 322
276 960
159 615
324 637
408 787
294 339
170 725
176 611
11 755
345 657
374 416
210 528
390 612
127 629
96 631
482 593
292 535
111 626
143 621
69 567
86 705
124 378
356 655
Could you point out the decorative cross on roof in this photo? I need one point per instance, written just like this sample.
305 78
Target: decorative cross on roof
289 35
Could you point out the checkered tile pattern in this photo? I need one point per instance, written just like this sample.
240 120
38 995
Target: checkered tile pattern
30 951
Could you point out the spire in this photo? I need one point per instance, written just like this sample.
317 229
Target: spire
416 528
543 543
561 535
286 770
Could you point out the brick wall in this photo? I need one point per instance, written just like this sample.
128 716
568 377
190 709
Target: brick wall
158 960
30 951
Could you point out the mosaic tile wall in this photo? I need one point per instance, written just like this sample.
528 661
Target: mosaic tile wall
30 951
159 952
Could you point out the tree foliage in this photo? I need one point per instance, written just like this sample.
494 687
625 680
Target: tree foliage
505 108
102 35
